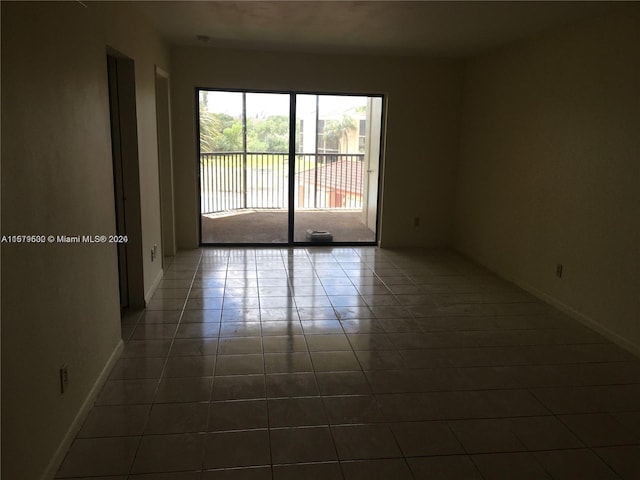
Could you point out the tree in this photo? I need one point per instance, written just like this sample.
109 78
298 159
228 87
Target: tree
270 134
219 132
337 130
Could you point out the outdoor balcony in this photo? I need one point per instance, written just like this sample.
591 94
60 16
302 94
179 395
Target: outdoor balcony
245 197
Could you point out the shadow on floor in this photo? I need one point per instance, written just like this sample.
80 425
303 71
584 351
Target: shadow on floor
271 227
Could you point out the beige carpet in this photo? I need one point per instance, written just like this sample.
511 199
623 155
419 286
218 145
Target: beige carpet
271 227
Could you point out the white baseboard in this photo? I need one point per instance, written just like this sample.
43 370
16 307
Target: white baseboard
582 318
79 419
567 309
154 287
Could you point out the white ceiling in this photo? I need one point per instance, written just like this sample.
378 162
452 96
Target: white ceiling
446 28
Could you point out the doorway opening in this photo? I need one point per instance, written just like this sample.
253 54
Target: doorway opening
126 179
288 168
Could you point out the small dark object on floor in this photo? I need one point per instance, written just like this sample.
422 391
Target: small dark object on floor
319 236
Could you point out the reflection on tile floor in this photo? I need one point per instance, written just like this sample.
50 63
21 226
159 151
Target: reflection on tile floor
357 363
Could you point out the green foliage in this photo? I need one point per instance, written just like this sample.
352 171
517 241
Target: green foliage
270 134
220 132
337 130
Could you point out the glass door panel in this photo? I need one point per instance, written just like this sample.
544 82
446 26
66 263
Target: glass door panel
244 167
336 168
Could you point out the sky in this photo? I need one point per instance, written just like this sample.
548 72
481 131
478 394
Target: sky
266 104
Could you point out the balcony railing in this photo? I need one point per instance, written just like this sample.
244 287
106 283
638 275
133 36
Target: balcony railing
236 180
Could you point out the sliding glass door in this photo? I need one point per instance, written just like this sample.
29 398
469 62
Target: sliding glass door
283 168
244 167
336 168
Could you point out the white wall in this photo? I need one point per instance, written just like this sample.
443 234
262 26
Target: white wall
550 166
60 302
129 33
421 136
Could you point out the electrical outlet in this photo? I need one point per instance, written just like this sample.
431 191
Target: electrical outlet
559 270
416 221
64 378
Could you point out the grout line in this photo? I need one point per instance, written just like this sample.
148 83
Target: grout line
339 261
153 402
213 373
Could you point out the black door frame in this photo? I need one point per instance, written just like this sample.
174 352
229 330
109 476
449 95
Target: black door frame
292 155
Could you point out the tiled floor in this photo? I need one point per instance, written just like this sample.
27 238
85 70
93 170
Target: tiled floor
357 363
